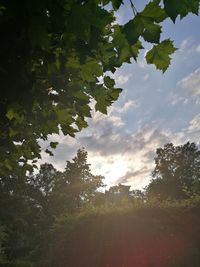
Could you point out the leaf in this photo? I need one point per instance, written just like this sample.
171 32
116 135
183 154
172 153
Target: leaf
53 144
109 82
101 106
145 24
81 123
12 132
133 29
64 116
154 12
105 97
68 130
159 54
91 69
8 164
81 95
116 4
135 49
114 93
122 45
152 33
10 114
180 7
2 8
49 152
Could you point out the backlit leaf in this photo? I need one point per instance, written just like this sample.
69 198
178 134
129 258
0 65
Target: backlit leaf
159 54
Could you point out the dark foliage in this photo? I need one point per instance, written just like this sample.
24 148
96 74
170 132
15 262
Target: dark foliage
52 55
177 172
51 217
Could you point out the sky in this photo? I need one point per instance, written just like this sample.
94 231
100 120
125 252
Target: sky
153 109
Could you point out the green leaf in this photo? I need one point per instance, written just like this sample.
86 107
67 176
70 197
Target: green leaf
159 54
101 106
8 164
122 45
154 12
114 93
81 95
91 69
49 152
81 123
180 7
152 33
10 114
64 116
116 4
2 8
135 49
133 29
105 97
109 82
145 24
12 132
53 144
68 130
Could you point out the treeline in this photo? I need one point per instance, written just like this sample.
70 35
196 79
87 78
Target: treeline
52 217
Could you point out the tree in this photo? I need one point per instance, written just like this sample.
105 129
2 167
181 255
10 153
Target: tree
52 55
177 172
76 186
30 205
57 192
118 194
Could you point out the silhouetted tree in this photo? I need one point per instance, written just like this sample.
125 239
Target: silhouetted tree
177 172
76 186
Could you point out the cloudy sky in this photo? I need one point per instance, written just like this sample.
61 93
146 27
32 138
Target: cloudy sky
153 109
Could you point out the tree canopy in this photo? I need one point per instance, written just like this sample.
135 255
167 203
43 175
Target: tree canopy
46 216
52 55
177 172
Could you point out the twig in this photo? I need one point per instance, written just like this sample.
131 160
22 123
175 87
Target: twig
133 8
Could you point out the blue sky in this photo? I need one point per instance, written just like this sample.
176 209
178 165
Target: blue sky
153 109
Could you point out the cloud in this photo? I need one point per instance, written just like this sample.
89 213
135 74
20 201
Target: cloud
118 155
175 99
198 48
186 45
118 109
191 83
146 77
140 177
124 157
194 125
122 79
142 60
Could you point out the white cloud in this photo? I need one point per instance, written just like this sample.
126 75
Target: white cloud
186 45
198 48
191 83
122 79
175 99
127 158
194 125
142 61
119 156
118 109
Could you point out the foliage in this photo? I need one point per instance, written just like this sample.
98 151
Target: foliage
45 217
177 172
2 240
52 55
144 236
30 205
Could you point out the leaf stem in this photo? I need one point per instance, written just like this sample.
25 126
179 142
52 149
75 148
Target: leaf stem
133 8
